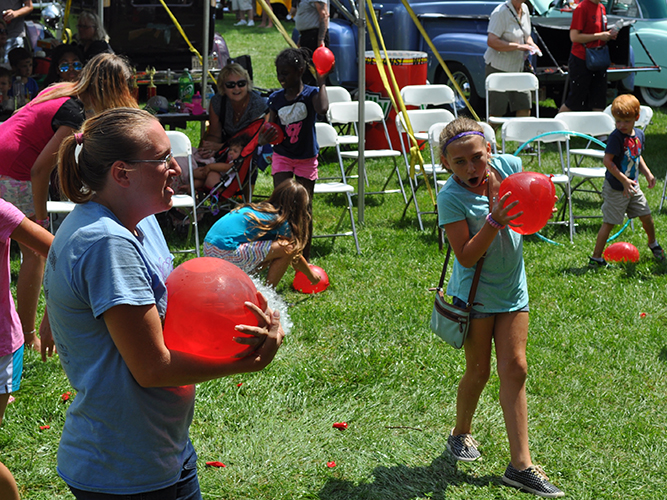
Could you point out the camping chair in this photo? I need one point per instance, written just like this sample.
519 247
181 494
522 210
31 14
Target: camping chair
421 120
522 130
328 137
508 82
595 124
348 112
425 95
238 179
181 147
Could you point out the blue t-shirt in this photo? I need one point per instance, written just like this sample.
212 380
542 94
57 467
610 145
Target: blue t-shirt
502 284
237 227
119 438
627 149
297 120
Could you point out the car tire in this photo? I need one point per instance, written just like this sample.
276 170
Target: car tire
653 97
462 77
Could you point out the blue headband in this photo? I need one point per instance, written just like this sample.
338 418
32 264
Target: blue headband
462 134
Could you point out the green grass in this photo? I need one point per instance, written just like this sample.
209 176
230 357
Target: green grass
362 353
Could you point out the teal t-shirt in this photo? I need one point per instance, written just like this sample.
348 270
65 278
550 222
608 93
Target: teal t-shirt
237 227
502 284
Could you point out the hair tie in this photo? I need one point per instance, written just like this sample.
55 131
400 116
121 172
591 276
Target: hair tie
463 134
79 138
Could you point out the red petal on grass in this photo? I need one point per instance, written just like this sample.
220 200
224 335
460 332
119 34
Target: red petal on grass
66 396
340 425
215 464
44 427
331 464
11 399
642 315
239 384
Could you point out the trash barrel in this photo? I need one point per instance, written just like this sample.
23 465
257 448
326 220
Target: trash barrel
410 68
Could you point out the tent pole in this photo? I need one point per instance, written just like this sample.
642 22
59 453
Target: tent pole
204 65
361 85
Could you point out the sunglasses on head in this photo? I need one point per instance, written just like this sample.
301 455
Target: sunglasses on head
65 67
239 83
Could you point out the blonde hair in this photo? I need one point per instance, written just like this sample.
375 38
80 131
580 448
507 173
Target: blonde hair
113 135
105 81
232 69
625 107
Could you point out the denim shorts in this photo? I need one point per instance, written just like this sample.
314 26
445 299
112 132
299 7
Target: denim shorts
187 487
479 315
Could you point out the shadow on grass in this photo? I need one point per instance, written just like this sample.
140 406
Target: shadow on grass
663 355
404 483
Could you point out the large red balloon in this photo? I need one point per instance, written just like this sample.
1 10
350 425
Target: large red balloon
303 285
621 252
323 59
206 300
536 195
280 137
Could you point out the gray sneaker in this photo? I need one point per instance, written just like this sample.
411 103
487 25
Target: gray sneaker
463 447
533 480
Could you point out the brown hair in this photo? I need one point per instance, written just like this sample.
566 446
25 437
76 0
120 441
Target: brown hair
625 107
113 135
105 81
456 127
289 201
232 69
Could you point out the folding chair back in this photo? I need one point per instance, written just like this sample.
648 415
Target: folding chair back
645 116
490 136
181 147
338 94
424 95
506 82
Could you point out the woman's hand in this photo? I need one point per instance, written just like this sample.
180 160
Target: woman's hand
266 337
46 337
499 212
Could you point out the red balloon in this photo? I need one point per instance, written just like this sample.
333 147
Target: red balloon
280 137
206 300
536 195
323 59
621 252
303 285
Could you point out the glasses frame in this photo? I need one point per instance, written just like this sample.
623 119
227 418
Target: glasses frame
69 66
167 160
238 83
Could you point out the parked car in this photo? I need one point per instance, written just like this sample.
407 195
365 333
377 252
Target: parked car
650 25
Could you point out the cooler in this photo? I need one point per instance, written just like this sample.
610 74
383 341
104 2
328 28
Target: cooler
410 68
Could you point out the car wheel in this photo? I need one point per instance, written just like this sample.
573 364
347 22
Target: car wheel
654 97
462 78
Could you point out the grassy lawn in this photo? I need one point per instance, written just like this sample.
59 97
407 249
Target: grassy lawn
362 353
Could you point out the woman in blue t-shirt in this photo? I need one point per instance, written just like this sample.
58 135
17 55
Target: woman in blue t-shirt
126 431
269 234
475 222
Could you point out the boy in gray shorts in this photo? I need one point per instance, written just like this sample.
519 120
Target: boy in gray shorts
621 191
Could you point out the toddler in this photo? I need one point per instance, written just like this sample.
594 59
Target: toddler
21 62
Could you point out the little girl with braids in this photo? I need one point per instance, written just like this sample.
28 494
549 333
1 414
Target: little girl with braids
476 221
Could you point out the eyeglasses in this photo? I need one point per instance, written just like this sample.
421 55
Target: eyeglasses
65 67
239 83
85 26
3 31
167 159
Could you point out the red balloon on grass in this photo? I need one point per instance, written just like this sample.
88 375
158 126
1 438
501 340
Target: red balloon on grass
206 300
323 59
302 283
621 252
280 137
536 195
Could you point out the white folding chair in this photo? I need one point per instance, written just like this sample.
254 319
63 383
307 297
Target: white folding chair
490 136
338 94
58 207
593 123
425 95
511 82
645 116
181 147
522 130
421 121
338 116
327 137
348 112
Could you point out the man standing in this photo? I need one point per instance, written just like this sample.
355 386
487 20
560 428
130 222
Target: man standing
312 23
13 12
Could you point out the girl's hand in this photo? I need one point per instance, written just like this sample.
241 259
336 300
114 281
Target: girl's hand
267 135
499 213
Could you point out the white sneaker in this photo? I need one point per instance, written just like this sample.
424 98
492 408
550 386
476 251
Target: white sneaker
242 22
251 23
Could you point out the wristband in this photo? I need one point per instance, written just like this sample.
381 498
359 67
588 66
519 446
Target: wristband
43 222
493 223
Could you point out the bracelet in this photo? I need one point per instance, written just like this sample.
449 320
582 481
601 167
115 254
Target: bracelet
493 223
30 333
43 222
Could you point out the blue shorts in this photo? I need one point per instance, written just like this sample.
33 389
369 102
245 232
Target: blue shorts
474 314
11 368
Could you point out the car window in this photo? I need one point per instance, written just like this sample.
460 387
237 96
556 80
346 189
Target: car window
638 9
653 9
624 8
